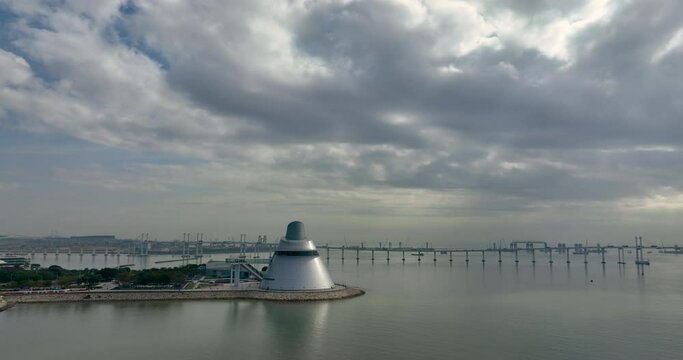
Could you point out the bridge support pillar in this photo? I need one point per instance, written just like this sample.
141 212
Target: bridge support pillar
235 274
602 251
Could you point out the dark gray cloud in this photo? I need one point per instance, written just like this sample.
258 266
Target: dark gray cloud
534 7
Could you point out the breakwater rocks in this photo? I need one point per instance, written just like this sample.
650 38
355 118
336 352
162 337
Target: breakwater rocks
338 292
4 305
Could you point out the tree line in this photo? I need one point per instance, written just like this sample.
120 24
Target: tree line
56 276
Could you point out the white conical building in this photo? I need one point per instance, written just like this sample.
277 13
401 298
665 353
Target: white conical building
296 264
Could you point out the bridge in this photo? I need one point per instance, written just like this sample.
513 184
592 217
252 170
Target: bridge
552 251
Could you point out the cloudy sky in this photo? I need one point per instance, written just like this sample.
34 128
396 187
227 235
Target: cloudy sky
459 122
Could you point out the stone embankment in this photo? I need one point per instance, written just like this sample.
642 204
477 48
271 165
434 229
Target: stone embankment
338 292
4 305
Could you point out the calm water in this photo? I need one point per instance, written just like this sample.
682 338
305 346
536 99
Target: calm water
410 311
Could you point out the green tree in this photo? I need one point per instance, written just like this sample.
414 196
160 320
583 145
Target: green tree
108 274
67 280
125 277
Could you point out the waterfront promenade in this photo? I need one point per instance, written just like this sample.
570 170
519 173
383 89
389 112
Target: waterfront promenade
248 292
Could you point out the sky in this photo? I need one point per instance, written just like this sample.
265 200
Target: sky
454 122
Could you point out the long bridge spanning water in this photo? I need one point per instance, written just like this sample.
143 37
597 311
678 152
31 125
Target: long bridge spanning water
554 253
530 249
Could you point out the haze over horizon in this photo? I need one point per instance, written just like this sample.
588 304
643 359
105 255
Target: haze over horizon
448 121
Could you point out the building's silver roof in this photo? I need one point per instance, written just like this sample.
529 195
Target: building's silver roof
296 264
295 231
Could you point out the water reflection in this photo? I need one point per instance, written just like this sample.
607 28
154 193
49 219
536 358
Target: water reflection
296 329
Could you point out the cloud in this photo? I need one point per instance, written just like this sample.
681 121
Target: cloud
509 106
8 186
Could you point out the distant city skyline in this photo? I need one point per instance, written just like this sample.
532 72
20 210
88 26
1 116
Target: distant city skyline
454 122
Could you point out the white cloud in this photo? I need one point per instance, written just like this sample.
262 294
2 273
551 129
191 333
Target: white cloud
671 45
662 199
551 31
15 70
461 28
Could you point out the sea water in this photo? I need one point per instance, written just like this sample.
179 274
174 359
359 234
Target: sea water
412 310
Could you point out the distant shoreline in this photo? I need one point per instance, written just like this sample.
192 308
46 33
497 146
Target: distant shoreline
337 293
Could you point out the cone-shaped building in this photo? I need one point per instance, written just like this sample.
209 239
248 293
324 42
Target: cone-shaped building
296 264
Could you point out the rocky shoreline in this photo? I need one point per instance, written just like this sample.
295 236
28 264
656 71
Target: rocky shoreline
4 305
338 292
